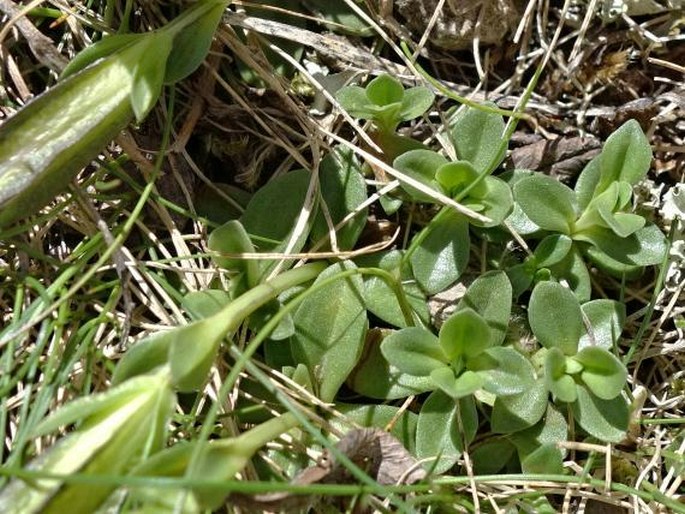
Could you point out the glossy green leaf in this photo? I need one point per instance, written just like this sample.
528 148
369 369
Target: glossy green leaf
272 214
443 255
464 385
547 202
437 431
330 327
101 49
626 156
606 318
414 350
192 43
343 189
504 370
376 378
490 296
517 412
477 136
148 75
555 317
607 420
603 373
421 165
232 238
464 334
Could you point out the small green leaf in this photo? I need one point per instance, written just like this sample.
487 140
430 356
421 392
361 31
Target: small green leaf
518 219
603 373
547 202
381 299
437 431
455 176
103 48
442 256
644 247
385 90
551 250
626 156
574 272
415 102
519 411
490 296
492 456
376 378
497 202
232 238
421 165
343 189
561 385
414 350
192 43
587 183
608 203
551 429
607 420
477 136
456 387
354 100
148 75
507 372
273 212
555 317
464 334
546 459
202 304
330 326
606 318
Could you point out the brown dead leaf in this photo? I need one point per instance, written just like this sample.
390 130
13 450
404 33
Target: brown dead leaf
375 451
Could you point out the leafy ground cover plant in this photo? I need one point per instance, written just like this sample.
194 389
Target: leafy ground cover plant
598 215
338 336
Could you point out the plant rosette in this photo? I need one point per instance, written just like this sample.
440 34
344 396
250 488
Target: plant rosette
575 364
598 214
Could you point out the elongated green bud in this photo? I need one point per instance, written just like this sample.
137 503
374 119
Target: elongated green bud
48 141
